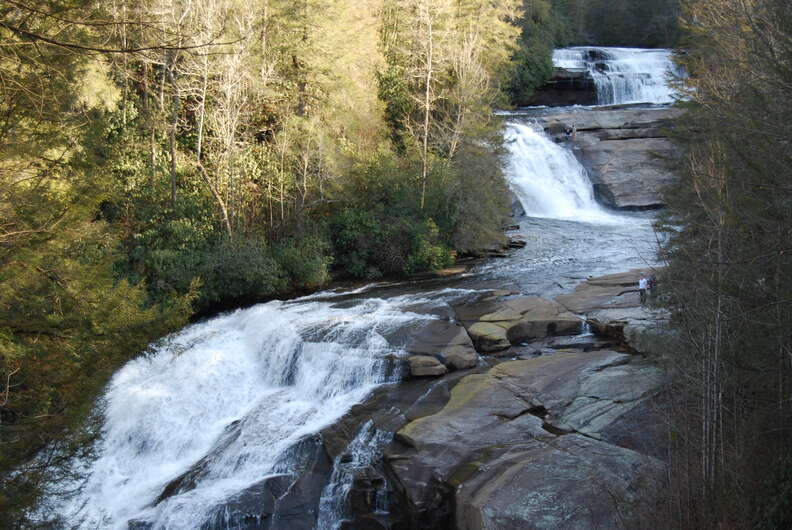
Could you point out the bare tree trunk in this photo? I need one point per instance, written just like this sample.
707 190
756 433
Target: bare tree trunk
427 101
202 110
172 129
219 198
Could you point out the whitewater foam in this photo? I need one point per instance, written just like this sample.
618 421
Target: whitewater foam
624 75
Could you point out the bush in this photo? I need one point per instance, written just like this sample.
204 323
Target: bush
305 261
239 268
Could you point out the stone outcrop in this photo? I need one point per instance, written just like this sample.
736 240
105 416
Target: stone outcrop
423 365
513 445
625 150
573 482
567 87
613 310
605 292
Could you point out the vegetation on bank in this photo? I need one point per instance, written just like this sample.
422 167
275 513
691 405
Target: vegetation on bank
730 271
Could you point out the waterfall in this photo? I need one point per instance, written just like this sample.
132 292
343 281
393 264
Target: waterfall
623 75
548 179
225 400
360 454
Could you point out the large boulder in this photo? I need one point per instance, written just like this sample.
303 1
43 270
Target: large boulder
488 337
643 329
446 341
540 318
573 482
425 366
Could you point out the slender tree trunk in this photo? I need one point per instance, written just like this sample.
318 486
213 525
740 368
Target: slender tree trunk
202 111
219 198
427 102
174 121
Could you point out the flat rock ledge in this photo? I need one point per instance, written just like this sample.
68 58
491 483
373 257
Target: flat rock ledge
613 310
494 323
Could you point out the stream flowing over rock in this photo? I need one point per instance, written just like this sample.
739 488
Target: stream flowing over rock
517 393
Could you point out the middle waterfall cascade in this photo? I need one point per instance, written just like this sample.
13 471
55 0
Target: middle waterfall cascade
548 179
623 75
226 400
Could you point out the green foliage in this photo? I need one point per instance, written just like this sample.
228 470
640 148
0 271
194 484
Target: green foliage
730 269
385 232
305 260
426 253
72 325
634 23
543 27
393 89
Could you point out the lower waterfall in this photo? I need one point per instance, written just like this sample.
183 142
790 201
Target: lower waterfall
223 402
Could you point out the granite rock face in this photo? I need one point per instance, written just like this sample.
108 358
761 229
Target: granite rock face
512 446
573 482
567 87
625 150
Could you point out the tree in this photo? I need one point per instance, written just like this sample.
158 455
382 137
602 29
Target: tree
730 268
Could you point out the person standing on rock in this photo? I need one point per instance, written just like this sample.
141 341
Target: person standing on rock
653 286
643 284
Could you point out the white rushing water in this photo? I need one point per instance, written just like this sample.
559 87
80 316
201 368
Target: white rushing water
623 75
548 179
360 454
271 374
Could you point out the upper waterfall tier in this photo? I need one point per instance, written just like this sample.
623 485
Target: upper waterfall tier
623 75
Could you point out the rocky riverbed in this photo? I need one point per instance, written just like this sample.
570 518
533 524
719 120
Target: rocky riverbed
507 417
553 430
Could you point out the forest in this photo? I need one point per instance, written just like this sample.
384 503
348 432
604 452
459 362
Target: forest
161 160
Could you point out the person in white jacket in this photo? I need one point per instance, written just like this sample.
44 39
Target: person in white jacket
643 285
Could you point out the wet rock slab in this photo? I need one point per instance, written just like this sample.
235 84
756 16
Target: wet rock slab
573 482
605 292
613 310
